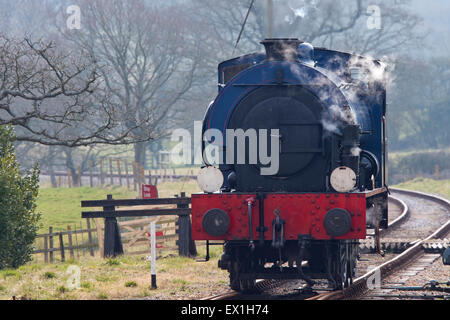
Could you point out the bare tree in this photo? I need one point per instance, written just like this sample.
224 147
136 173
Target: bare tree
53 98
337 24
149 60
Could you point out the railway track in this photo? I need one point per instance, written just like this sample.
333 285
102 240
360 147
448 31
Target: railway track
261 285
410 208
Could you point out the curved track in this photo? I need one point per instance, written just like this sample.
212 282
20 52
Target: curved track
427 218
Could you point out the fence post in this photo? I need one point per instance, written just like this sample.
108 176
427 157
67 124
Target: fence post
120 173
91 243
112 240
91 180
437 172
69 179
111 179
76 242
134 176
69 235
186 246
61 247
80 184
46 249
82 238
126 173
102 180
50 238
139 174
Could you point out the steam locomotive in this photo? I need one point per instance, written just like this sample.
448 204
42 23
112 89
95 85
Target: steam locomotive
326 111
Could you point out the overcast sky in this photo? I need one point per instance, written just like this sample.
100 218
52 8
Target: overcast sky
436 15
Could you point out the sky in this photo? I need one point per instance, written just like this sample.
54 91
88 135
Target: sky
436 15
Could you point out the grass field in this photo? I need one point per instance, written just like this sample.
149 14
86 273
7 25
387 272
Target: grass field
126 277
440 187
62 206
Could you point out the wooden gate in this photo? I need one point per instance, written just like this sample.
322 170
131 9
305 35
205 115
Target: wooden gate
135 235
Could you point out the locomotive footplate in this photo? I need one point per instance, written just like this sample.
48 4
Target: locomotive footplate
321 216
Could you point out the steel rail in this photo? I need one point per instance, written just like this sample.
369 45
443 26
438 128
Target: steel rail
259 286
402 216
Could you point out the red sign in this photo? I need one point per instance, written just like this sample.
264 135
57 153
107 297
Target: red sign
157 234
149 192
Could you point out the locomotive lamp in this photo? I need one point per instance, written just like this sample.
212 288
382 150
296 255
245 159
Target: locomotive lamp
210 179
343 179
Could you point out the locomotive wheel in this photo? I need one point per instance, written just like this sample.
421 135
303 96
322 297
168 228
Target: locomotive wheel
341 270
234 280
350 273
353 256
247 286
342 276
240 285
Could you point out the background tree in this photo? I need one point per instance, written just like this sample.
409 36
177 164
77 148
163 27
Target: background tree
149 58
335 24
177 33
54 98
419 104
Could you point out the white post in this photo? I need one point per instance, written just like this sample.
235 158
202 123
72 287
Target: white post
153 253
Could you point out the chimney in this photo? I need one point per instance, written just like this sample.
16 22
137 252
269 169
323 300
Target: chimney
283 49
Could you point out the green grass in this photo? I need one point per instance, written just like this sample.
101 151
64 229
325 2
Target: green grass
131 284
184 279
62 206
440 187
49 275
112 262
398 154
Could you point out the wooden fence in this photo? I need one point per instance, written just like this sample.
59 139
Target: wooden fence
71 243
118 172
126 208
81 240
